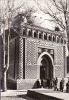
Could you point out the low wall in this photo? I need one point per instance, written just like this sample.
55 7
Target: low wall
11 84
41 96
26 83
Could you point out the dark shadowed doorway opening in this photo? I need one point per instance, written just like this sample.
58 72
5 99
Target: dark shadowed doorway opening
46 68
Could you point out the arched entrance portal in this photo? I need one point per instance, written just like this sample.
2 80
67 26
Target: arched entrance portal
46 66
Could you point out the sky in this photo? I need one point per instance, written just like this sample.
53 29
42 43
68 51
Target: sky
38 17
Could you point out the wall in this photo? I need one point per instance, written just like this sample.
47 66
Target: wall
31 54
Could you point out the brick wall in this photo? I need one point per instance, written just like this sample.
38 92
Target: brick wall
11 70
31 55
1 59
14 59
26 83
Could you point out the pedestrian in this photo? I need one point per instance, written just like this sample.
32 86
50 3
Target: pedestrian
61 85
67 87
38 83
55 84
51 83
41 82
48 82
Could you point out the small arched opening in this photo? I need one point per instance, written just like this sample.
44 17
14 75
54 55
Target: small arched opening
35 35
64 41
61 40
24 31
49 37
40 36
30 33
45 37
53 38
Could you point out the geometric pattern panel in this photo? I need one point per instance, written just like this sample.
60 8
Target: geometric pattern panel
11 60
31 72
25 83
31 52
32 46
20 57
59 58
59 71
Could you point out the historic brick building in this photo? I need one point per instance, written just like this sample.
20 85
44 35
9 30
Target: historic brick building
36 53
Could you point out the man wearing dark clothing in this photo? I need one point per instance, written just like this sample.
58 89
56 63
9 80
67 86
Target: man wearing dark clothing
38 83
67 87
48 82
55 84
61 85
41 82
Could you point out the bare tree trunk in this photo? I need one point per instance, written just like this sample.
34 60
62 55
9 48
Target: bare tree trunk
4 82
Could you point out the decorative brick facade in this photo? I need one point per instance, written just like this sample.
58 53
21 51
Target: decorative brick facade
34 44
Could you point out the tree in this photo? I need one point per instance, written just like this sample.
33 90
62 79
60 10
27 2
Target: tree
23 18
5 19
59 15
58 10
10 16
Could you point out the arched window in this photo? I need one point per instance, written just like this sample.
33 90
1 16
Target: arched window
57 29
24 31
53 39
30 33
49 37
35 34
61 40
39 35
45 37
57 39
64 41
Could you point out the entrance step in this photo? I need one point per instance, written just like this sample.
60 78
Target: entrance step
47 94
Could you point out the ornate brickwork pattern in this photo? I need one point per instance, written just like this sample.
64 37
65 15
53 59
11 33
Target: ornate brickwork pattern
32 56
26 83
59 61
17 58
31 59
11 69
59 55
59 71
65 60
20 57
31 72
31 52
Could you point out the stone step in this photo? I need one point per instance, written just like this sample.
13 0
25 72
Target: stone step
41 96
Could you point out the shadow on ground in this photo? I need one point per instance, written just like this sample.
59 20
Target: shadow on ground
18 97
25 97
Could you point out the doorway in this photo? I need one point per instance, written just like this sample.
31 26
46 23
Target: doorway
46 68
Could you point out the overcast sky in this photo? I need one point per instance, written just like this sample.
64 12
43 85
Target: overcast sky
38 16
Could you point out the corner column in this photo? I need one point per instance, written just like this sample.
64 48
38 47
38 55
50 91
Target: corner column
20 57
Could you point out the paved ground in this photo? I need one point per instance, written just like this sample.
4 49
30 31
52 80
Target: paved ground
50 92
15 95
17 98
21 94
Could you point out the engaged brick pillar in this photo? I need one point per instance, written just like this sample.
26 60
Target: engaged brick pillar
65 61
20 57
